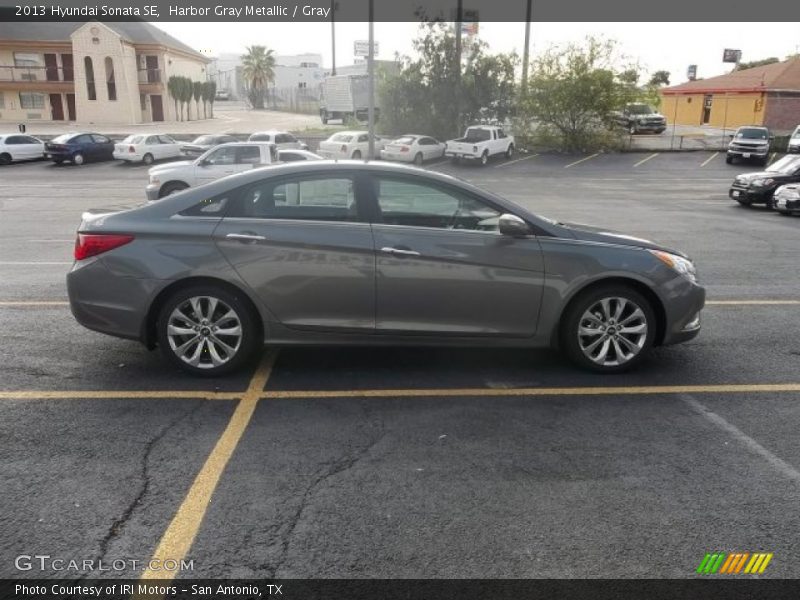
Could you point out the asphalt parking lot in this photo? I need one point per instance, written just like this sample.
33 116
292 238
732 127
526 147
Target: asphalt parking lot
412 462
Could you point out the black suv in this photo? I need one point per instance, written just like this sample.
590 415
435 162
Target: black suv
758 188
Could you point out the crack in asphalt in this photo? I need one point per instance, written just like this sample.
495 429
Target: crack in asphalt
338 466
119 523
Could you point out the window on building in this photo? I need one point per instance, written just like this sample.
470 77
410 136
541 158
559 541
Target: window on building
301 84
90 89
143 101
2 100
29 65
31 100
111 83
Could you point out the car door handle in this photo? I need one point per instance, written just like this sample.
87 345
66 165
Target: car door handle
245 237
400 251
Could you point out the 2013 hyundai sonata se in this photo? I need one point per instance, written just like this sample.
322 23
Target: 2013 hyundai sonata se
355 253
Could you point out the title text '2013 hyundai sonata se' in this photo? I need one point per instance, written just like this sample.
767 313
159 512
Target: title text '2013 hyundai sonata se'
356 253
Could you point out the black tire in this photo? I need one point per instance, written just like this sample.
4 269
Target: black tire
418 159
171 188
484 158
5 158
510 151
783 213
148 159
78 159
248 344
356 155
769 204
571 321
729 160
58 161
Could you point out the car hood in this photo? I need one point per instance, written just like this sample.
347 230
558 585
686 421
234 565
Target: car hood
649 116
170 166
749 177
589 233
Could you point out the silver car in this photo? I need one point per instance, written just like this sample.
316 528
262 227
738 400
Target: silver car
356 253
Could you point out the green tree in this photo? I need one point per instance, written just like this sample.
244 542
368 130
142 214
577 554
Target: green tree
757 63
258 70
659 78
420 95
197 93
573 90
173 88
212 94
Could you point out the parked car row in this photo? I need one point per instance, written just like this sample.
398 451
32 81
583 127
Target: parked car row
777 186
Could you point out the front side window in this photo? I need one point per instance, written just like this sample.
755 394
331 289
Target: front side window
14 139
419 205
222 156
311 199
210 207
152 140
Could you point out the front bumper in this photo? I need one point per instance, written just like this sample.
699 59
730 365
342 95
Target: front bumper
748 152
786 204
683 314
750 195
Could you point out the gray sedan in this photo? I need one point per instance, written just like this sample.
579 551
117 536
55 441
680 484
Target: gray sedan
371 254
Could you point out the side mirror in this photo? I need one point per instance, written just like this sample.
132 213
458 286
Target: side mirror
513 226
204 163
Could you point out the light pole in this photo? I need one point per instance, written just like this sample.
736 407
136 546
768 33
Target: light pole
333 37
527 45
371 72
457 73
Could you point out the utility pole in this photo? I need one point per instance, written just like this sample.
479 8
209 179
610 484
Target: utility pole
525 52
457 72
333 37
371 72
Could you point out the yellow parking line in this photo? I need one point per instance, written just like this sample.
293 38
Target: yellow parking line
511 162
552 391
179 536
118 394
709 159
644 160
577 162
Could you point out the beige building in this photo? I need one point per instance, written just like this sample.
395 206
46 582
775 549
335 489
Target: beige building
92 72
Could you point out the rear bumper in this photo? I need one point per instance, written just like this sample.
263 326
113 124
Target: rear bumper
107 303
129 156
398 156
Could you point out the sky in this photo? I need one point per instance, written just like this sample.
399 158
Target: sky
656 46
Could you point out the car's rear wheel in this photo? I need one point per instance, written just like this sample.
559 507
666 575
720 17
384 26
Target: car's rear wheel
484 158
729 160
608 329
207 331
172 188
510 151
5 158
78 159
418 159
148 159
357 155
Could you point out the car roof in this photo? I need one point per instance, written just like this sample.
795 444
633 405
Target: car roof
245 144
269 132
350 132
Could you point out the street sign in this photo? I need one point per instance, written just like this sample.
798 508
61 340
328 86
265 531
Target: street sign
361 48
691 72
731 56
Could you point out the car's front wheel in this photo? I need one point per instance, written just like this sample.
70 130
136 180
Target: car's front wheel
608 329
78 159
207 331
172 188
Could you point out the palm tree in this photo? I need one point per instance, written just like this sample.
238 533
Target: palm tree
258 69
173 87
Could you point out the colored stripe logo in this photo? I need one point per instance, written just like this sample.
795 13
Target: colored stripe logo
734 563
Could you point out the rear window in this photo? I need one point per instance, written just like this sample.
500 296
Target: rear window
478 135
342 137
204 139
133 139
260 137
63 138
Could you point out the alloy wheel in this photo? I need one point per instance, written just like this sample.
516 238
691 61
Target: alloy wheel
204 332
612 331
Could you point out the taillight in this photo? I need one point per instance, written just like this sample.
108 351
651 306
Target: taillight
403 148
91 244
344 148
131 149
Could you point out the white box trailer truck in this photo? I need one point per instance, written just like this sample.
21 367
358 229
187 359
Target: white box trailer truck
345 96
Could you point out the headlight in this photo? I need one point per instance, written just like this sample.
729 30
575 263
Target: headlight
762 182
681 265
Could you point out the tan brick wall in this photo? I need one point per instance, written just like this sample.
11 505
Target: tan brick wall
782 112
11 111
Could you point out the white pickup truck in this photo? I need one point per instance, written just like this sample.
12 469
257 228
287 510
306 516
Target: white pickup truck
220 161
479 143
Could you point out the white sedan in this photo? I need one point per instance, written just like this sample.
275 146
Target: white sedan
283 140
349 144
16 146
147 148
413 148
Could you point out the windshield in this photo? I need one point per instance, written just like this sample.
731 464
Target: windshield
785 166
640 109
260 137
204 139
341 137
751 133
132 139
476 134
63 138
796 133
